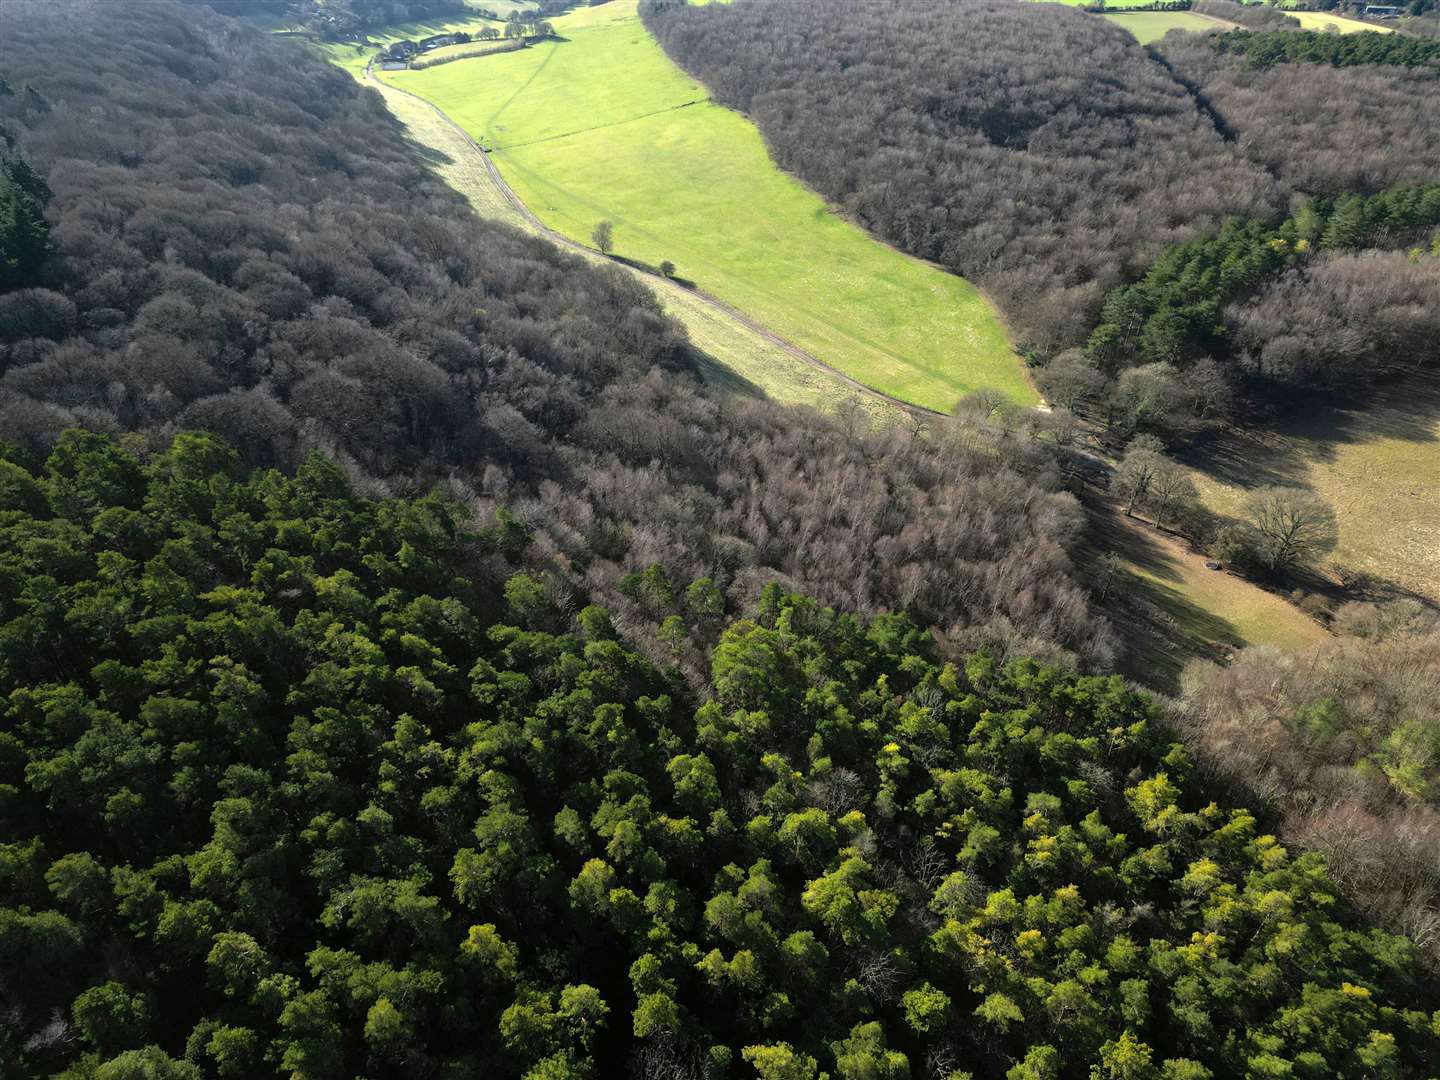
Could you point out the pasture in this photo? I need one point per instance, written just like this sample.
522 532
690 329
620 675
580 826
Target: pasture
353 58
1171 609
1376 460
602 126
1321 20
743 359
1148 26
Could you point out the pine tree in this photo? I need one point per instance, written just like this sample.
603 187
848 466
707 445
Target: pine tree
24 232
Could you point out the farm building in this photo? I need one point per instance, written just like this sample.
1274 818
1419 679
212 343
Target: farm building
437 41
400 50
393 65
1382 11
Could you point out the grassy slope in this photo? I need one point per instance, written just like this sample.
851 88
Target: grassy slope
604 126
1171 609
747 361
1318 20
1377 462
1148 26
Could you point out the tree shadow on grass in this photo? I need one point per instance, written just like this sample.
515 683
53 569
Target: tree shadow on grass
652 269
1163 629
713 373
436 159
1314 426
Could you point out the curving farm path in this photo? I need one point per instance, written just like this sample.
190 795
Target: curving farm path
710 319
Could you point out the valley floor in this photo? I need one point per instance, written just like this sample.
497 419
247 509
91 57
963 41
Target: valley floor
749 357
1359 459
601 125
1376 460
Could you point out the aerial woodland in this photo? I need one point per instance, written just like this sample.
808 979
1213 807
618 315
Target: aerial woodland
324 785
411 667
958 133
244 242
1377 127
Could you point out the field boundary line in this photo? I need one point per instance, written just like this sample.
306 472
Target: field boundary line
649 276
602 127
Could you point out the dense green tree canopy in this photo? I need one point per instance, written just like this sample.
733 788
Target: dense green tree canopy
1177 312
294 784
24 232
1262 49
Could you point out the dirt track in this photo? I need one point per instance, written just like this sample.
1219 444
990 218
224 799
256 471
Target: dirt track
654 280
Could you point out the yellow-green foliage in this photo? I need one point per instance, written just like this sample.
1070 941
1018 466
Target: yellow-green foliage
320 766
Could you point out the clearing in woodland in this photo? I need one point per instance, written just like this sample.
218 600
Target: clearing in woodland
1172 608
746 360
602 126
1322 20
1148 26
1376 460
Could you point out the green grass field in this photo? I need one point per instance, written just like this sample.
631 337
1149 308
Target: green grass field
1377 461
736 357
353 58
1148 26
1319 20
602 125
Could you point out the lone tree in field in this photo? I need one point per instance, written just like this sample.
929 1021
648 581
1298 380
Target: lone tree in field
604 237
1172 492
667 268
1293 527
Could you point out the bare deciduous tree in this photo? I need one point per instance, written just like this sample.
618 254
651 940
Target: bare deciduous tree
1293 527
603 237
942 112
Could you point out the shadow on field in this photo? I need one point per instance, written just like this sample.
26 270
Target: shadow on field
1405 408
651 268
1162 628
431 156
713 373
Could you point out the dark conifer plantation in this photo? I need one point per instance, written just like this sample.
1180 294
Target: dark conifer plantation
294 786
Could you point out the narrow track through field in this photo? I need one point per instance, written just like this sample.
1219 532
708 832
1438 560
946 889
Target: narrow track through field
718 307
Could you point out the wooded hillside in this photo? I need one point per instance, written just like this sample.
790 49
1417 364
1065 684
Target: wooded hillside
297 782
1321 129
244 242
1039 151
